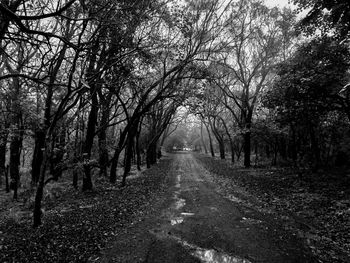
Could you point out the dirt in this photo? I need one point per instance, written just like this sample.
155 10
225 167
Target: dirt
196 221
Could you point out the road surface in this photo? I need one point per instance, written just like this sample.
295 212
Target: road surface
197 223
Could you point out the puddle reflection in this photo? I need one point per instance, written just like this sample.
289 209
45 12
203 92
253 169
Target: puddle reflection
187 214
178 179
212 256
176 221
234 199
250 220
179 203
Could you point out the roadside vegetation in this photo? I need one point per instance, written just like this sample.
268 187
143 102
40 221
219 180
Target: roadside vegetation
315 206
94 91
78 225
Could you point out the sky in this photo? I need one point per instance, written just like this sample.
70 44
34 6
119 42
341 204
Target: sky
280 3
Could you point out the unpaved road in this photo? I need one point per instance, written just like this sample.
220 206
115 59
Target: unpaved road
196 223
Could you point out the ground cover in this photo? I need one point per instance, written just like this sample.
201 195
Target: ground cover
77 226
316 205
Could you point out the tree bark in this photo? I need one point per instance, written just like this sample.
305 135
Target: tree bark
128 157
137 148
210 141
115 159
202 140
40 189
247 142
114 165
3 142
38 154
102 137
16 138
89 140
219 139
151 154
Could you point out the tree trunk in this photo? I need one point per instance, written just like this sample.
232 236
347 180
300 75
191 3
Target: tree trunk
247 141
151 154
219 139
115 159
222 149
128 156
102 137
37 155
210 141
137 149
202 140
15 154
3 142
41 131
56 158
114 165
40 190
89 140
16 138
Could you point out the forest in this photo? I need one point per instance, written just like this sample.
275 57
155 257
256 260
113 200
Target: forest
97 90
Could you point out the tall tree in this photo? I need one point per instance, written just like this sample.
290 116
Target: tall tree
253 47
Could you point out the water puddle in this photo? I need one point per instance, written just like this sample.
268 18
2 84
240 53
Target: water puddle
212 256
86 206
176 221
250 221
187 214
178 180
179 203
234 199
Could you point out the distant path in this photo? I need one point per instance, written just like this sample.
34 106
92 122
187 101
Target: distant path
198 224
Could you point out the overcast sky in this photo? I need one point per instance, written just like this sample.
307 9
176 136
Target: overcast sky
279 3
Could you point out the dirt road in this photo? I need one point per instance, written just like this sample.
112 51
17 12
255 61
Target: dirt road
197 223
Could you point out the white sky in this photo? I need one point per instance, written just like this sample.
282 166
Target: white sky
284 3
280 3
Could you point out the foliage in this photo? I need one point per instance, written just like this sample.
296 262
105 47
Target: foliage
327 16
306 95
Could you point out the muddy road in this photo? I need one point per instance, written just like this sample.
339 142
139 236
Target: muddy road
197 223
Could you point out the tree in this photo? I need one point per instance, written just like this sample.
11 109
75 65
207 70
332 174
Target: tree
327 16
308 87
255 43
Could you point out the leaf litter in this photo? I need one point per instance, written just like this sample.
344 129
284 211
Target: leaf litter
315 207
77 226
